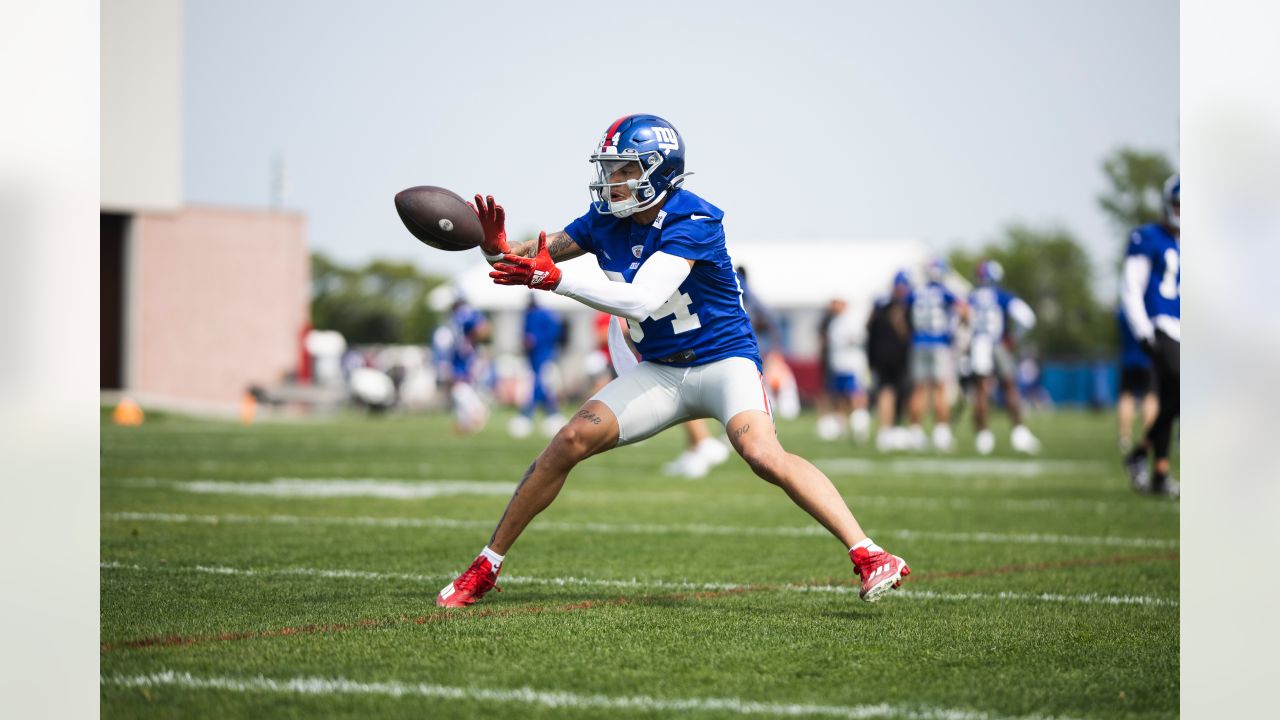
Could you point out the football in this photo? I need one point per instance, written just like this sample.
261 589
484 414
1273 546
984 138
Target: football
439 218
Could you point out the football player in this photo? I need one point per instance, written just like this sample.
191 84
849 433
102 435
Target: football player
997 318
1151 292
889 354
543 333
843 339
458 342
934 309
664 249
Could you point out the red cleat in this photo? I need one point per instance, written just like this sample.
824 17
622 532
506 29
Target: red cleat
880 572
470 586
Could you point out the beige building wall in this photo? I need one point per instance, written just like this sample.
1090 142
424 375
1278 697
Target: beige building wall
217 301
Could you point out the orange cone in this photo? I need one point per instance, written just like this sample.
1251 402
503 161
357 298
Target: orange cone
248 408
128 413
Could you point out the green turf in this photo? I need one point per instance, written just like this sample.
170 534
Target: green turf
233 588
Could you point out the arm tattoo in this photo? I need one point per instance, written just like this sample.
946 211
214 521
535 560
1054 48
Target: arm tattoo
737 434
559 245
589 416
562 247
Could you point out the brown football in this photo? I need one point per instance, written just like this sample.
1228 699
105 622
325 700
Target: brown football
439 218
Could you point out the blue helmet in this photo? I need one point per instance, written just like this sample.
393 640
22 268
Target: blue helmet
1172 197
657 151
989 272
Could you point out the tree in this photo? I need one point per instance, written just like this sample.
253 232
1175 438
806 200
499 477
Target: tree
1136 182
1050 270
382 302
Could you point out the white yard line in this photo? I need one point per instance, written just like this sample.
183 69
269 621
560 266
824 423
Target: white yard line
961 467
324 686
661 585
407 489
644 529
332 487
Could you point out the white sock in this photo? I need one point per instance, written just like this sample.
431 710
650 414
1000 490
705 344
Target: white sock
494 558
869 545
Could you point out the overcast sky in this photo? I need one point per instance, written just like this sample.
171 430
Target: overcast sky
936 120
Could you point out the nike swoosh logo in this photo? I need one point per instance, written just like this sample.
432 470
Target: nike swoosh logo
699 217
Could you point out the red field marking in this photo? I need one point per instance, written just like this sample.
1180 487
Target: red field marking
1036 567
442 616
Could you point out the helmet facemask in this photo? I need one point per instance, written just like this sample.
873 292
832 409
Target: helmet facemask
641 192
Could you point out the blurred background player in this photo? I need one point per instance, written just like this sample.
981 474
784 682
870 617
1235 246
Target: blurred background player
889 355
1151 296
664 251
455 347
844 360
997 319
1136 385
823 402
543 335
933 314
597 364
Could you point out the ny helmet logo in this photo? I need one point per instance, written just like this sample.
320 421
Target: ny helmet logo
667 139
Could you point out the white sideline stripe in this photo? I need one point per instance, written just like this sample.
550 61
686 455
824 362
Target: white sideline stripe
634 584
401 489
607 528
959 467
551 699
1098 507
334 487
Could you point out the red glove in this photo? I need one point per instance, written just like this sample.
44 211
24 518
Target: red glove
493 220
539 272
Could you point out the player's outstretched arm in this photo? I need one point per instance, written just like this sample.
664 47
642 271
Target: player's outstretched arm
559 245
654 283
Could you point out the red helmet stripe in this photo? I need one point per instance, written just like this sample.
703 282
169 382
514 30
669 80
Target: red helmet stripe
608 134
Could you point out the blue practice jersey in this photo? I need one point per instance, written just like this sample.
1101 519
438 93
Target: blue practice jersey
1131 354
464 321
704 320
989 308
542 331
931 310
1163 295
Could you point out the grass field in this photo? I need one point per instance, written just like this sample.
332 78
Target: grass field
289 570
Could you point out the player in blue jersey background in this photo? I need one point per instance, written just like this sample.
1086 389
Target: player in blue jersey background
1151 297
543 333
997 319
663 248
455 346
934 310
